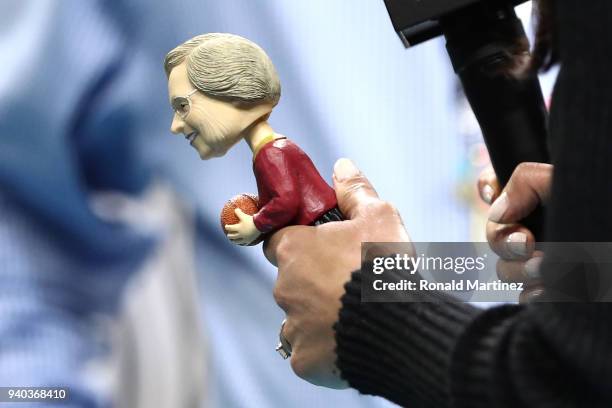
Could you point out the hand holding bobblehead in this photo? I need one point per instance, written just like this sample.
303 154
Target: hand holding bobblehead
222 89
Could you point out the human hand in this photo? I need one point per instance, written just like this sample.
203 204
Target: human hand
245 231
519 261
314 263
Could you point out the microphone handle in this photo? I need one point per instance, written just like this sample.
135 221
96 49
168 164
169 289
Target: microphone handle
486 43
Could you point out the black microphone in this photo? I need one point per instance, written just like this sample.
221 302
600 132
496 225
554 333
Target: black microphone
486 43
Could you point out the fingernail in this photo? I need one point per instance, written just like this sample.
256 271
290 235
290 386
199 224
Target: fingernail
487 193
534 295
517 243
532 268
345 169
499 207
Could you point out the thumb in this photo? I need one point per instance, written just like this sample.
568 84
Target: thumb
240 214
528 186
353 189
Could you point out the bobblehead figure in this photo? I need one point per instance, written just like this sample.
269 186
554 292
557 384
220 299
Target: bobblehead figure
222 88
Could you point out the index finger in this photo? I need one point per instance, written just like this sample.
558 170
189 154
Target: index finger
283 242
488 186
232 227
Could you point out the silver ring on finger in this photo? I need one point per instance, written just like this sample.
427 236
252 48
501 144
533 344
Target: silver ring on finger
283 347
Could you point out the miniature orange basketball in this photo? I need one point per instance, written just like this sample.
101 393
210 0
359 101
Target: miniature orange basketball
248 203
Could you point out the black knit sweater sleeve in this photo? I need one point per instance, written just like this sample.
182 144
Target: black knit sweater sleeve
440 353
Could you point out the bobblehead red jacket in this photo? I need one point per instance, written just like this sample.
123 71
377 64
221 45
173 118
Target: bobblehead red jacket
291 190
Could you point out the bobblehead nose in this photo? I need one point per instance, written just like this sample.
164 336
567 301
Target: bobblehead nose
177 126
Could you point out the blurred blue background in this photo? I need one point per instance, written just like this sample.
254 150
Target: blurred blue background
84 129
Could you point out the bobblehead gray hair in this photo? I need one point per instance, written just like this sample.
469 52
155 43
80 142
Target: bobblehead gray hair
227 67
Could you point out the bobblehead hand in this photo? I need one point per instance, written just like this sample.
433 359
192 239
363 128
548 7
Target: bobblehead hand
245 231
314 263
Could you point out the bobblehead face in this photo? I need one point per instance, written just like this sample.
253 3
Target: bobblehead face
211 126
